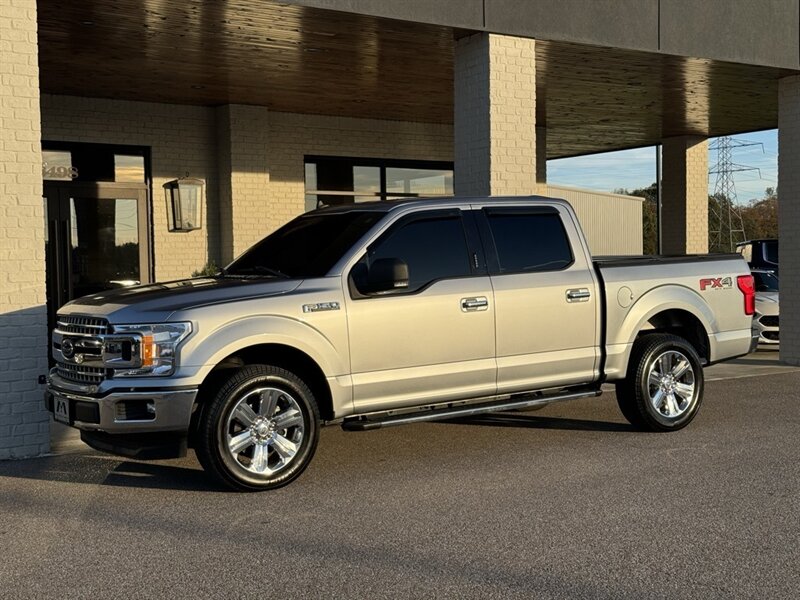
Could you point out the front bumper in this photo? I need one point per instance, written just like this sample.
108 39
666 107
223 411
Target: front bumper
130 411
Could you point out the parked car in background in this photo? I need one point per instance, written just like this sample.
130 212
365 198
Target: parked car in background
766 317
760 254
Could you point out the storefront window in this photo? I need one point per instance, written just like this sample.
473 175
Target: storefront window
336 180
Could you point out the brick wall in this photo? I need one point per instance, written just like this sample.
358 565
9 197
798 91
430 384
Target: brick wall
183 140
495 115
789 215
243 134
293 136
685 195
252 161
24 424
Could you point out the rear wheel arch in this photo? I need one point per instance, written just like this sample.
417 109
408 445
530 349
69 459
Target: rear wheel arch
681 323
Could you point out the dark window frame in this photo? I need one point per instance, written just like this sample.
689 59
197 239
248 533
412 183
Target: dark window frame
382 164
490 247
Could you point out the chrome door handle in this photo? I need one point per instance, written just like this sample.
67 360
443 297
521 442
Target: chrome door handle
473 304
578 295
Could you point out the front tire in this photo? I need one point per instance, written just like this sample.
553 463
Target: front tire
260 431
663 389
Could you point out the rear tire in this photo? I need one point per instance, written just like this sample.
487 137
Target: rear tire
664 386
260 431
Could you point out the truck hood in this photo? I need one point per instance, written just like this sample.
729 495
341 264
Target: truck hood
154 303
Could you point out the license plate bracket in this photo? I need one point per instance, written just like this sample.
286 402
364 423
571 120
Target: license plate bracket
61 409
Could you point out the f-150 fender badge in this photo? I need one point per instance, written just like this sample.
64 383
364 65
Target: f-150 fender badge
320 306
715 283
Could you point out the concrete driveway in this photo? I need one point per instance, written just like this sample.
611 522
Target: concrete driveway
566 502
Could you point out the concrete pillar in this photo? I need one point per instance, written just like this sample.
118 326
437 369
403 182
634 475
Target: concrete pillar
789 215
684 195
24 424
495 115
242 141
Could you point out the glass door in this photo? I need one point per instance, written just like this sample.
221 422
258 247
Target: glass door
96 239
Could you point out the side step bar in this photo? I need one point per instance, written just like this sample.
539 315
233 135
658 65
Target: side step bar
448 411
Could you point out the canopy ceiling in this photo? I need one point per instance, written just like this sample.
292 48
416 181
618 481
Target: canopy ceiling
298 59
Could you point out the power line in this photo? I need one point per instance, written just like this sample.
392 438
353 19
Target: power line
726 227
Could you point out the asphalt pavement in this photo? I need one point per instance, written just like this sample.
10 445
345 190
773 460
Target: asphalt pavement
564 502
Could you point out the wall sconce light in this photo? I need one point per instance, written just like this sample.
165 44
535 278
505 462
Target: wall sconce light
184 201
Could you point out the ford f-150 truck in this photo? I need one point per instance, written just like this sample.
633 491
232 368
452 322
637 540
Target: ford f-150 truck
377 314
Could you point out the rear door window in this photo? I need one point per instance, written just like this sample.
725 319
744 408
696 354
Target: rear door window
529 242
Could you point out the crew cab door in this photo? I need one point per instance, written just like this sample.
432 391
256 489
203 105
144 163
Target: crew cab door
429 338
545 296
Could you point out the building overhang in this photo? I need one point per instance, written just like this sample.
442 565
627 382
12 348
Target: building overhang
293 58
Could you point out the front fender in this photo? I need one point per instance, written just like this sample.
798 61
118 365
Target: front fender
208 349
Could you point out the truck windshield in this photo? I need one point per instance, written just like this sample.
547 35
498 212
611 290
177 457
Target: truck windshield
308 246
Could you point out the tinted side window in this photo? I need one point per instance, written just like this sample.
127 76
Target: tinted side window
529 242
433 248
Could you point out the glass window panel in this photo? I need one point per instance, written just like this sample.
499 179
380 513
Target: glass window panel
129 168
57 165
367 180
105 244
433 249
422 182
529 242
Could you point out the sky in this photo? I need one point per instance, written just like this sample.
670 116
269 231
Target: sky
633 169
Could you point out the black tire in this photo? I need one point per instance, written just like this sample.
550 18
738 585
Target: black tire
264 443
647 405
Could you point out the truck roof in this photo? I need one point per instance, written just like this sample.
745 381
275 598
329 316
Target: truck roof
389 205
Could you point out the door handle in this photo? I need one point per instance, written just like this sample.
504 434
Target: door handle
474 304
578 295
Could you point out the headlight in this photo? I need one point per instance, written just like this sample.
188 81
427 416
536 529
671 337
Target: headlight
157 349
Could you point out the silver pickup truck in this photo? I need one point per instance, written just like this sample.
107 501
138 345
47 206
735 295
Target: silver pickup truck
385 313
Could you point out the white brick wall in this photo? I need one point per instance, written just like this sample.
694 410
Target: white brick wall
789 215
243 134
495 115
24 424
685 195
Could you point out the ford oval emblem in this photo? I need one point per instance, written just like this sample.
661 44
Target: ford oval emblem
67 348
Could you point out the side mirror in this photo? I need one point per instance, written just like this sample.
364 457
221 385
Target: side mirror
387 274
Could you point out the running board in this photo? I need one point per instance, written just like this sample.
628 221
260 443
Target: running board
448 411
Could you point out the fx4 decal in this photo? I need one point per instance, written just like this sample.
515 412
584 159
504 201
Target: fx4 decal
716 282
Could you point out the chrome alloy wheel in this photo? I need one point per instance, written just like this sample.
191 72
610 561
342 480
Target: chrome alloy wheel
671 384
264 430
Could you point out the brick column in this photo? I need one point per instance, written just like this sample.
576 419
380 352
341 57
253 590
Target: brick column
789 215
684 195
541 160
242 139
495 115
24 424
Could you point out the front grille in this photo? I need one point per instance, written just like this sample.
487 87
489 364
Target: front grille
80 373
769 320
771 335
82 325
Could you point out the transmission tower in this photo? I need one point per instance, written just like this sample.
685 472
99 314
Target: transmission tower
726 228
